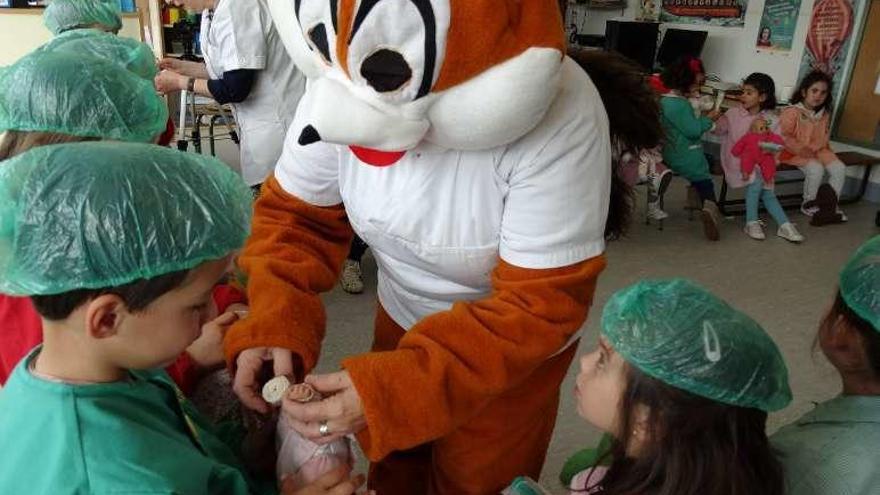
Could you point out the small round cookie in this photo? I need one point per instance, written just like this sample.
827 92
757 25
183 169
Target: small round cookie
274 390
302 392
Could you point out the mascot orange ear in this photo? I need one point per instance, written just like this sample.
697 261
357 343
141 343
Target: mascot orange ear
485 33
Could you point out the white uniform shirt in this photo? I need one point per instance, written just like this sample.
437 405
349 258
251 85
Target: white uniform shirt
239 34
437 221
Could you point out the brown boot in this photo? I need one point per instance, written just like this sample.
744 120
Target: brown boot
710 216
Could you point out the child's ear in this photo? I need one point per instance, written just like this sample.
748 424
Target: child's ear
845 346
104 315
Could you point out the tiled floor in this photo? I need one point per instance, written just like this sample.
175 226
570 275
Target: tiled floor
785 287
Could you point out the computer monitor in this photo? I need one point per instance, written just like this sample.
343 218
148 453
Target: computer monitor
679 43
634 40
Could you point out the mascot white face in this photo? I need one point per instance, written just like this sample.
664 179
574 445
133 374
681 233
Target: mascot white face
387 75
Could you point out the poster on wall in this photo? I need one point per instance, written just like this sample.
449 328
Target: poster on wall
829 37
776 33
725 13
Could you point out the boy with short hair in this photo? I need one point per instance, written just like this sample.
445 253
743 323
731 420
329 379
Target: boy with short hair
119 246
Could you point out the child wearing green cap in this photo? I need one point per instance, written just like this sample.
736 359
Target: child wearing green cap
119 246
66 97
66 15
61 98
683 383
833 449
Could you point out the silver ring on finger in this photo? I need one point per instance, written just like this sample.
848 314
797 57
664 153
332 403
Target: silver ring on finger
324 429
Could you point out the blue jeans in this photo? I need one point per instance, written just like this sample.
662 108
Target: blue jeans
755 192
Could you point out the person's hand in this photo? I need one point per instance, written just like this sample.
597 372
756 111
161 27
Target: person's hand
249 365
745 176
169 81
207 351
336 482
170 63
714 115
341 410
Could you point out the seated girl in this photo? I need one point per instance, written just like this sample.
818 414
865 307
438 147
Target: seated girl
683 149
758 101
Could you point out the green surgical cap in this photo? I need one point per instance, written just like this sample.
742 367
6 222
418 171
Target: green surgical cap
102 214
860 282
129 54
81 96
682 335
63 15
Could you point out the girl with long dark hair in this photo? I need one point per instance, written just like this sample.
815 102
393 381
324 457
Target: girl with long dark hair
683 383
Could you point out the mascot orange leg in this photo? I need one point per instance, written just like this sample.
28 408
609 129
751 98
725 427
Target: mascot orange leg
508 438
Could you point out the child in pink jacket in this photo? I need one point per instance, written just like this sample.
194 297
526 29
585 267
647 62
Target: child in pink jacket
758 100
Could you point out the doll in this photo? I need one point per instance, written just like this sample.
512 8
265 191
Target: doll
759 148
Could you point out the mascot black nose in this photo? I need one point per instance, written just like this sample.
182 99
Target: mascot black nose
309 136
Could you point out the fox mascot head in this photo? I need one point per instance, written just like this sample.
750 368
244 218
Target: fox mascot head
388 75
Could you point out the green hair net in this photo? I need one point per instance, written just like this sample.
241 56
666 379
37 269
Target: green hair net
63 15
860 282
682 335
102 214
81 96
130 54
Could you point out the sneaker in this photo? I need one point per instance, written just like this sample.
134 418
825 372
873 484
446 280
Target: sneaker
710 216
810 210
790 233
843 217
661 182
755 231
655 212
352 277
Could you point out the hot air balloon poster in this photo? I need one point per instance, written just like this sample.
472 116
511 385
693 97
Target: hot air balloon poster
726 13
776 32
828 38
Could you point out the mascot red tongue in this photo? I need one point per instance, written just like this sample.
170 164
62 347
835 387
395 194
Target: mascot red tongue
474 158
377 158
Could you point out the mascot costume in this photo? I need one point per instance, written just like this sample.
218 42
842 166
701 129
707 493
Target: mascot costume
474 157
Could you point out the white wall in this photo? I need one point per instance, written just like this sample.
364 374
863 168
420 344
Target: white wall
730 52
22 31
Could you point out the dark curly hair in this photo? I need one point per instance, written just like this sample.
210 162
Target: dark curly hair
694 446
682 74
810 79
870 336
764 85
633 116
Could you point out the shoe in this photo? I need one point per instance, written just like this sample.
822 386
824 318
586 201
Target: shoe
710 216
810 210
843 217
755 231
790 233
352 277
661 182
655 212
